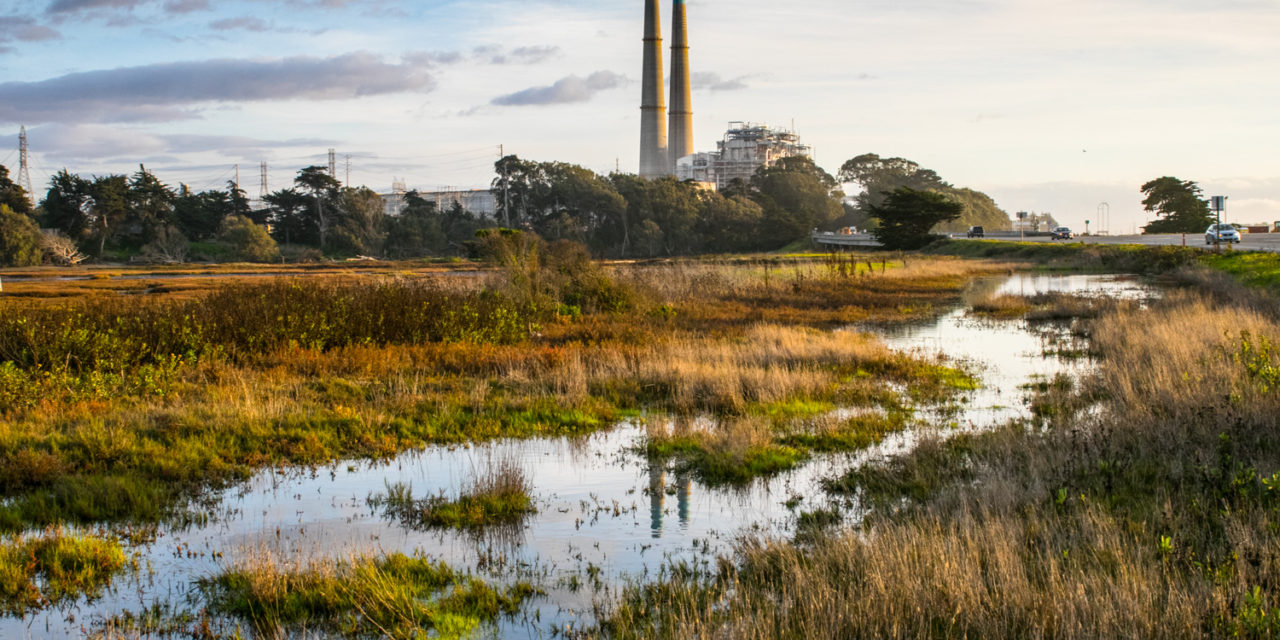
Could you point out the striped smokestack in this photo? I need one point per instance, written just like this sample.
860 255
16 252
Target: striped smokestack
653 108
681 130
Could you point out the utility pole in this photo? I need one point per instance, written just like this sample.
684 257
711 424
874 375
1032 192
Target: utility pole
24 172
506 200
333 164
1217 204
262 191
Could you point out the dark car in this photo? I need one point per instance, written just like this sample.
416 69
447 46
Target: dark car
975 232
1061 233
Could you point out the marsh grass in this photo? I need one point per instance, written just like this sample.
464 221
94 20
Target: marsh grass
395 596
56 566
1152 515
1002 306
123 410
499 494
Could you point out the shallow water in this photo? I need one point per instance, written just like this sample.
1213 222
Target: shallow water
600 503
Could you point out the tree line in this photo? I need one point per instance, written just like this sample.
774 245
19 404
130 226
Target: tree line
617 215
116 215
623 215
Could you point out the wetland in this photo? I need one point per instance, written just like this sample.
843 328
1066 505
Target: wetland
679 449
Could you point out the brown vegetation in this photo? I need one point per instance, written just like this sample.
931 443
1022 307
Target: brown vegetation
1155 516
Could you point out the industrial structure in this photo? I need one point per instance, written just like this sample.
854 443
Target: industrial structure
745 148
481 202
659 151
24 167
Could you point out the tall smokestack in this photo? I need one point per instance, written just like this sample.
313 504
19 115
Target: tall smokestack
653 108
681 130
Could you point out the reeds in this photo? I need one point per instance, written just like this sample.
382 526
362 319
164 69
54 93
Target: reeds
49 568
499 494
395 596
1151 515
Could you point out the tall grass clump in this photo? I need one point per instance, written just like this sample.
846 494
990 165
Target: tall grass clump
543 278
56 566
395 596
498 495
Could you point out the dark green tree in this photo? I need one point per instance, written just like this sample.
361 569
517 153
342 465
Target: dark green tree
979 210
19 239
907 216
797 196
522 190
12 194
358 222
879 176
1179 205
198 216
659 217
459 227
729 223
148 208
416 231
66 206
290 221
323 189
108 209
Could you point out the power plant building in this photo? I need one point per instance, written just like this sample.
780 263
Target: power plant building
480 202
745 148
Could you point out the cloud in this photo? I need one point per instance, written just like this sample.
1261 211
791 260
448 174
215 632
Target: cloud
534 55
566 90
72 145
712 81
96 145
23 29
193 143
246 23
499 55
430 58
186 6
174 91
75 6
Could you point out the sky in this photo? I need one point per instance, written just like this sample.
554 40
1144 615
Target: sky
1046 105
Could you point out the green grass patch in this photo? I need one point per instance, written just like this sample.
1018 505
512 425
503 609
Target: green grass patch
499 495
54 567
1254 268
718 464
396 596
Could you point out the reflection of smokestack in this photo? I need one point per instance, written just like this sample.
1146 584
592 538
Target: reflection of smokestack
653 108
657 496
681 130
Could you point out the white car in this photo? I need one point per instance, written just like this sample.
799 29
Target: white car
1221 232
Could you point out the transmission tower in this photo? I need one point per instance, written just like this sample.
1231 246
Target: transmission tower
262 192
24 172
348 183
333 164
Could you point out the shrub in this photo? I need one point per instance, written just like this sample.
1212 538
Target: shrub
249 241
19 239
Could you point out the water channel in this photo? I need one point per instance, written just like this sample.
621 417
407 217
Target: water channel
603 509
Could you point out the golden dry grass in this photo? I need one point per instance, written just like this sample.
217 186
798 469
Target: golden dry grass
1152 516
